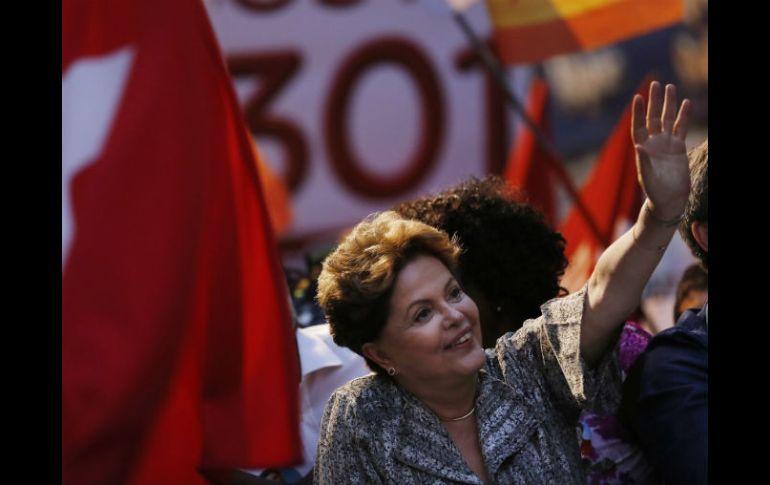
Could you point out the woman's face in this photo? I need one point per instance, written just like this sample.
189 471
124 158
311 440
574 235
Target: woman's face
432 331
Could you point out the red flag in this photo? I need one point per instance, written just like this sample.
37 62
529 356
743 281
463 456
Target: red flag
529 167
613 198
534 30
177 349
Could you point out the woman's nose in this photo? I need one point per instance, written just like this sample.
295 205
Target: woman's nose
452 316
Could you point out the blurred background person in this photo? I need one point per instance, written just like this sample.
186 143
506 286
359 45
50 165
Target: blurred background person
692 290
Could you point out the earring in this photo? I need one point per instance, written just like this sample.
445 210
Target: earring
391 371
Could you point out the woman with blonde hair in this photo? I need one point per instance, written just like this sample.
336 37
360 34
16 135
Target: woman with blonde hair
441 409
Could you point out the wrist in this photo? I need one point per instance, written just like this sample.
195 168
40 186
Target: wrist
658 248
664 218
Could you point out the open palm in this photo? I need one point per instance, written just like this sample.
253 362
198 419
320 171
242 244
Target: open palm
661 153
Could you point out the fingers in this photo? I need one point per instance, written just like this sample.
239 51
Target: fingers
682 121
669 109
661 114
654 108
638 127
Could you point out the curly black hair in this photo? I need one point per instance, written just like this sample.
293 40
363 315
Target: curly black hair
512 260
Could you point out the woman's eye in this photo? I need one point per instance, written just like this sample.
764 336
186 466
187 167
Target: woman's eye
422 315
455 293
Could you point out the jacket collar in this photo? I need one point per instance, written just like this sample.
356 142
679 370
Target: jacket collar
505 422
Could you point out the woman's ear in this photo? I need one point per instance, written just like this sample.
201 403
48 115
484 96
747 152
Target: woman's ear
373 352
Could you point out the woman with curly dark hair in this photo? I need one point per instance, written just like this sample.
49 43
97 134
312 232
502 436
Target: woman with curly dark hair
512 259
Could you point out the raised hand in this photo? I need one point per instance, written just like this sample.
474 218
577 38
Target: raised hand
661 153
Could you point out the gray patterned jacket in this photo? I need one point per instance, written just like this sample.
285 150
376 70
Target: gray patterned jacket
530 395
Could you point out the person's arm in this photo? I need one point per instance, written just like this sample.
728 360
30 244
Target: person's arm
615 287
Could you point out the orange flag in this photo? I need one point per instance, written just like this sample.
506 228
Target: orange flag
529 31
277 197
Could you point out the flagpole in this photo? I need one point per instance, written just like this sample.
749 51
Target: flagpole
490 62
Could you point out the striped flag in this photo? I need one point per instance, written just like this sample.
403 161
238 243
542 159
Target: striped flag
530 31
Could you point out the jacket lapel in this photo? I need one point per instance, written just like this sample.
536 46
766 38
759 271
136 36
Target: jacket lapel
506 421
422 443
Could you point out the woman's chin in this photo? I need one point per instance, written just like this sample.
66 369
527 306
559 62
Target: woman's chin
475 359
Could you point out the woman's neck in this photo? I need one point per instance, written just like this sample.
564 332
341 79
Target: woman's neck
447 400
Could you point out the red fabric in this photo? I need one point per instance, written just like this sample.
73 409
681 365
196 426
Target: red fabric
177 348
612 196
529 168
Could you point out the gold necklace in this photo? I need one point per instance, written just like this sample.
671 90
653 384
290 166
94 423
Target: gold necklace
473 409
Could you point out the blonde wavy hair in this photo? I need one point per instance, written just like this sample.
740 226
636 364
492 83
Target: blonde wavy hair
357 279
